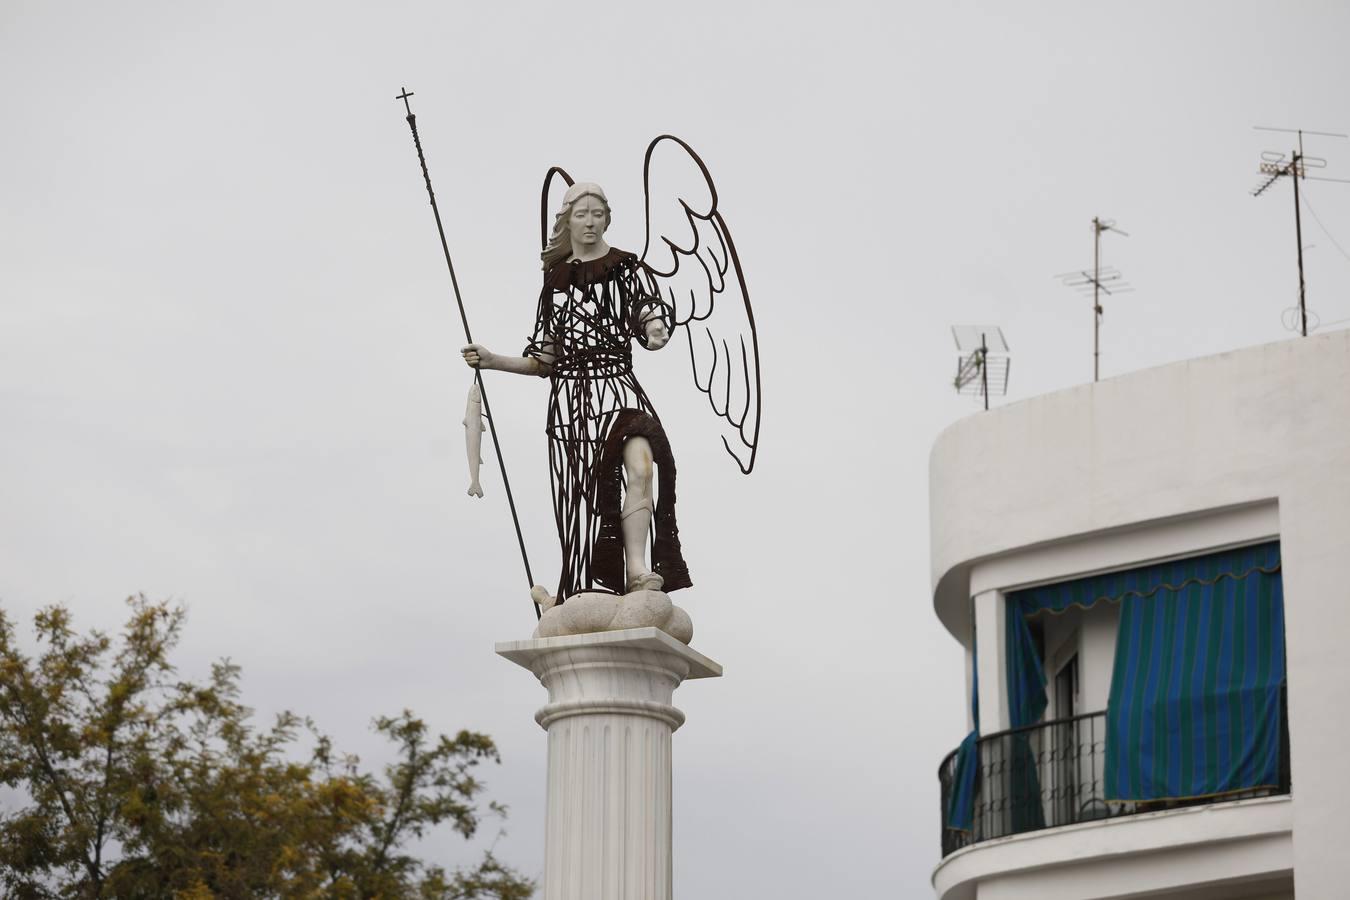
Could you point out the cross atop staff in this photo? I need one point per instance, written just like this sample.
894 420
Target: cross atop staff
404 97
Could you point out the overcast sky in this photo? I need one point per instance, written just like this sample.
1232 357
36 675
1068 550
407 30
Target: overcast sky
229 369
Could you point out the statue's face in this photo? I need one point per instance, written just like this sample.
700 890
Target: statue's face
588 222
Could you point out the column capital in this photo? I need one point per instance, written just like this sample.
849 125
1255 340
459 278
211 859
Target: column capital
538 653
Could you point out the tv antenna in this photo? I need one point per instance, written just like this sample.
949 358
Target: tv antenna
1276 166
1100 280
982 367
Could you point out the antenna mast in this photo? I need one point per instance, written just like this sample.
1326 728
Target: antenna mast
1276 166
1097 282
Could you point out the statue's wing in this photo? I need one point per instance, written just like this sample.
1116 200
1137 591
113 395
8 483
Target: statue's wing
692 260
550 201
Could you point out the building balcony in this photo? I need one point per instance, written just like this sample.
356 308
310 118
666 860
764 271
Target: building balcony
1052 774
1156 467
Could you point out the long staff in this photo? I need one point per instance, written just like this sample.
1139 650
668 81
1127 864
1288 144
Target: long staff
478 375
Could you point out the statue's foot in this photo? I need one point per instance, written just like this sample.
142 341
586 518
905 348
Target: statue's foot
646 581
540 595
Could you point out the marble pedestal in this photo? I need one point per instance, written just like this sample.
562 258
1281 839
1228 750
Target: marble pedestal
609 720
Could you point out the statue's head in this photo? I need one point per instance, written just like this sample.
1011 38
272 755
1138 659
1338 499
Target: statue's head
580 223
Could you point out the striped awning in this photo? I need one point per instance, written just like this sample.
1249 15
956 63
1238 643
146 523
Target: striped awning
1145 581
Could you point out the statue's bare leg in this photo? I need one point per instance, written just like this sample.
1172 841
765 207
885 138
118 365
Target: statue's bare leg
637 513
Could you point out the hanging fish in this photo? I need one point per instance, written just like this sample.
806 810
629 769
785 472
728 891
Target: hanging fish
473 437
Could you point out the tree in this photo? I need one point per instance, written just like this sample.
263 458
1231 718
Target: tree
134 784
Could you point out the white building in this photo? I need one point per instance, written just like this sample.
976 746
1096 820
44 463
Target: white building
1225 775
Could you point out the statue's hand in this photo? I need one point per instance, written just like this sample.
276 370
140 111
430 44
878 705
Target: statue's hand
657 334
476 356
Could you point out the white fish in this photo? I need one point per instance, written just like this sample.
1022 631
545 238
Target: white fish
473 437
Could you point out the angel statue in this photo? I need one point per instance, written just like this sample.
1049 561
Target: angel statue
613 473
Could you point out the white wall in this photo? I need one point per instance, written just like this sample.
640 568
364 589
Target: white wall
1219 852
1091 634
1100 625
1255 433
990 629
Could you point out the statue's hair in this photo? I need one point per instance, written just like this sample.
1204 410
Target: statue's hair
559 245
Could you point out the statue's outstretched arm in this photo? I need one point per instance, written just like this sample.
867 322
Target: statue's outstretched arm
476 356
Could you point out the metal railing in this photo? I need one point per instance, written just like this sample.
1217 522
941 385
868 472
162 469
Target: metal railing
1052 774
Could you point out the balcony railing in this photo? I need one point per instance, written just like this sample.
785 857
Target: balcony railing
1052 774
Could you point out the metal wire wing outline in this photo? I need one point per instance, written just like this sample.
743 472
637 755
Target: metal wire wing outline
715 251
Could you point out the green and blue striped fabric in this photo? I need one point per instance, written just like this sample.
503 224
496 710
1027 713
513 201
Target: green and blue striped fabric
1195 702
961 804
1026 704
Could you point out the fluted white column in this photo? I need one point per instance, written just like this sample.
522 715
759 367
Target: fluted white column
609 720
